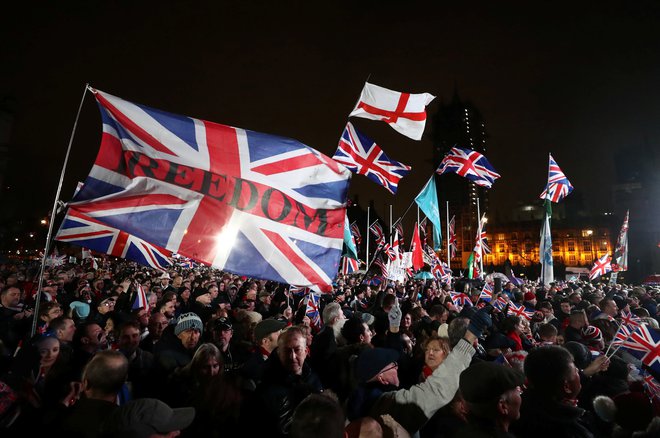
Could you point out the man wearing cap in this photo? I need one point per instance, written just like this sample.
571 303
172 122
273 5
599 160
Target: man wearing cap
263 305
147 418
178 344
221 333
165 282
492 392
377 370
266 335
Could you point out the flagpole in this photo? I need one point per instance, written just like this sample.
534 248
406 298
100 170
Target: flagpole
448 237
35 315
367 233
481 246
391 225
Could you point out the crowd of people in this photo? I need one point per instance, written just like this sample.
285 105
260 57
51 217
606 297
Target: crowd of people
124 350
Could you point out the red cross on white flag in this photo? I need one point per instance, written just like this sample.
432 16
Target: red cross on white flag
404 112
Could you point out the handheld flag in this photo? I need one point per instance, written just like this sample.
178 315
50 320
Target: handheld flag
416 249
545 248
621 251
312 310
453 246
377 230
460 299
486 292
363 156
521 311
558 186
469 164
140 299
404 112
244 202
355 231
601 267
428 203
349 265
644 343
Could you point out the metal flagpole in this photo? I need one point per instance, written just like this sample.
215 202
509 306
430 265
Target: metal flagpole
481 247
448 237
368 232
52 217
391 225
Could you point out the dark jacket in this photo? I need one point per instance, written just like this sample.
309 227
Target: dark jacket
170 353
541 417
277 397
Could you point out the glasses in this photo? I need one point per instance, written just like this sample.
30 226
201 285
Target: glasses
394 366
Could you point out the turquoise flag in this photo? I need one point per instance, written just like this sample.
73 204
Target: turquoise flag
349 243
428 203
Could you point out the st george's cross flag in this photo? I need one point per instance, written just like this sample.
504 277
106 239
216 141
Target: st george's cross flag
245 202
404 112
468 164
80 229
558 186
363 156
602 266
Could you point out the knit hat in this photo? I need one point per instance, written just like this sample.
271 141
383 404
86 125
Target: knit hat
591 334
529 296
486 381
80 309
187 321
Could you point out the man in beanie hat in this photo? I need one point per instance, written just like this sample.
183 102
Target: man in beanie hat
492 392
178 344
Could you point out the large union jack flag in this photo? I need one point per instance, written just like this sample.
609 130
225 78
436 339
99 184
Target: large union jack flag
469 164
558 185
363 156
245 202
602 266
82 230
644 343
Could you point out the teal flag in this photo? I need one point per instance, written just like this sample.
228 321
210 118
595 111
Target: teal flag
350 249
428 203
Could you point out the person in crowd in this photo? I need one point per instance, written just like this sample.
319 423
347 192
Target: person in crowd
436 350
178 344
157 324
147 418
266 335
326 342
140 362
287 380
492 393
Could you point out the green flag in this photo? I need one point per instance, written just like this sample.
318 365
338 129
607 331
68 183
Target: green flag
471 266
350 249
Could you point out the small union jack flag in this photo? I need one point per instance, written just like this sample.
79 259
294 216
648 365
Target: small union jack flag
299 291
651 386
558 185
460 299
441 271
312 310
140 299
487 292
390 252
630 320
500 303
602 266
644 343
377 230
355 231
453 246
469 164
363 156
349 265
515 310
621 336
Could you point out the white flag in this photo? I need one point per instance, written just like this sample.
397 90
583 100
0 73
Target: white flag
404 112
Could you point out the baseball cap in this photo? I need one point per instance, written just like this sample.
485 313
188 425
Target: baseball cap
486 381
266 327
144 417
372 361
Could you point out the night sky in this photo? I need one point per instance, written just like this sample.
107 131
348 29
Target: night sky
548 76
